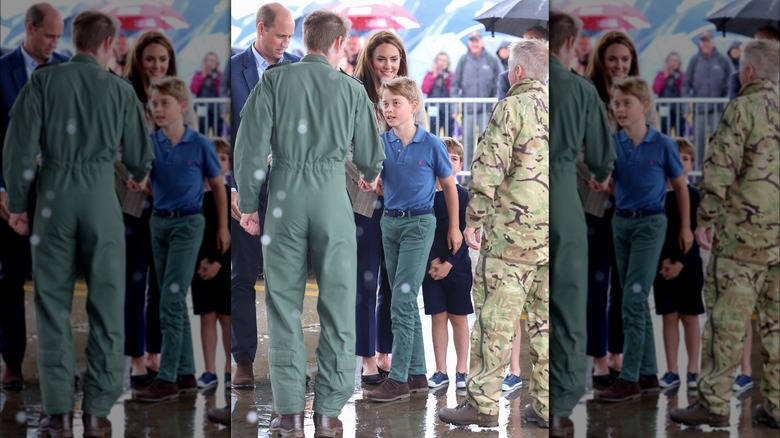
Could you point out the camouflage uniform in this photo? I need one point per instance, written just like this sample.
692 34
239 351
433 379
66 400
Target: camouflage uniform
739 194
509 199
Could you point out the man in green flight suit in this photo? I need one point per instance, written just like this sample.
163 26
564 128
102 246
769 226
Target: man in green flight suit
76 115
509 200
577 120
738 216
308 113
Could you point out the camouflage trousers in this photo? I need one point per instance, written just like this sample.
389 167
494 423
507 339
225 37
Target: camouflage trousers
501 290
731 291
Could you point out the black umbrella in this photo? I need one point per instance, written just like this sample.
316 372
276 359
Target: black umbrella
745 17
515 17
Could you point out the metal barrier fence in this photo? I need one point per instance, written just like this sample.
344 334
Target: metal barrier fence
210 113
692 118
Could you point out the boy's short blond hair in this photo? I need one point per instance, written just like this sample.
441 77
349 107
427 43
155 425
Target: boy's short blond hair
634 86
453 147
174 87
684 146
222 145
402 86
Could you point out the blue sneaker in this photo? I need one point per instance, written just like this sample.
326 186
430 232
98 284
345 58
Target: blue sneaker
438 379
207 380
692 377
511 382
460 380
227 380
670 380
742 382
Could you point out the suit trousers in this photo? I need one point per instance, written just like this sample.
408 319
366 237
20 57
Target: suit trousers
244 260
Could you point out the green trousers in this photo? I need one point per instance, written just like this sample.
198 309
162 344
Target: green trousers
501 290
78 222
638 244
309 212
731 291
175 245
407 244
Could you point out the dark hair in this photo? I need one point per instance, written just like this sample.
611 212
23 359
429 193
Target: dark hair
321 28
597 71
562 27
91 28
365 68
134 70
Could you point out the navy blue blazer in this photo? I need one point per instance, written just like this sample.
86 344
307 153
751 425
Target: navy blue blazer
13 76
243 78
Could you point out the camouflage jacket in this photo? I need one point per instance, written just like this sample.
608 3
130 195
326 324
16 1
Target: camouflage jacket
741 180
509 188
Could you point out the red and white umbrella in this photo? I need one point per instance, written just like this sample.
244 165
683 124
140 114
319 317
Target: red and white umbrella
146 15
375 15
607 16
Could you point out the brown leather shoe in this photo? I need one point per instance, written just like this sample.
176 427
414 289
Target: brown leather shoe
287 426
327 427
620 391
417 383
219 415
12 378
157 391
96 427
696 415
561 427
56 426
648 384
465 414
761 415
244 376
530 415
389 390
187 383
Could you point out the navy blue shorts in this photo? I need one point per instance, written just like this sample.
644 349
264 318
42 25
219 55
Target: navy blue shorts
451 294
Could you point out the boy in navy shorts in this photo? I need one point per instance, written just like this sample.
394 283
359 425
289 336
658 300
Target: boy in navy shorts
447 285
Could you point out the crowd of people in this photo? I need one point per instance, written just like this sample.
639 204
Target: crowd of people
574 228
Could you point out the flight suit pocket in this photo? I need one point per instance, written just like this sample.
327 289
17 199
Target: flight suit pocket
345 363
279 357
50 358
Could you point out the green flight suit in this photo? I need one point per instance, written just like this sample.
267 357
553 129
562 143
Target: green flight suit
577 118
76 115
308 113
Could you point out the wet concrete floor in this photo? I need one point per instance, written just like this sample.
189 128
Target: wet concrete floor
415 417
20 411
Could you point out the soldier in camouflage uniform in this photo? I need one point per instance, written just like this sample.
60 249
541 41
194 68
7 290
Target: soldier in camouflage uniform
739 193
509 198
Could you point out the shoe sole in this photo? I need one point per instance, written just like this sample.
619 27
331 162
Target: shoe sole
285 434
537 421
104 433
742 388
208 385
673 385
439 385
510 388
332 434
236 385
461 385
702 423
400 397
157 400
619 400
479 424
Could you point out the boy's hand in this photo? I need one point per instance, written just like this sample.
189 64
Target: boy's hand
440 270
380 189
704 237
208 270
472 237
669 271
454 239
366 186
686 240
223 240
137 187
4 213
235 213
251 223
597 186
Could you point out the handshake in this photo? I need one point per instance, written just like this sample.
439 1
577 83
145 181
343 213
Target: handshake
369 187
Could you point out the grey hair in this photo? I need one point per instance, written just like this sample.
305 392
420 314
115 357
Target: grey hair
533 56
764 56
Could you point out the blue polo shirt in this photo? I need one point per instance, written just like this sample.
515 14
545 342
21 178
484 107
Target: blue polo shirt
409 173
640 172
178 173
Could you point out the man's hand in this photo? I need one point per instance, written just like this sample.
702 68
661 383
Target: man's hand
454 239
366 186
597 186
18 222
686 239
208 270
669 271
472 237
235 213
439 270
4 213
704 237
251 223
223 240
137 187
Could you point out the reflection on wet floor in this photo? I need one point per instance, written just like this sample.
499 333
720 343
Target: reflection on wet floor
410 418
649 416
20 411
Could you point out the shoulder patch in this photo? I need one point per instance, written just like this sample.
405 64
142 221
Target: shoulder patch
349 75
278 64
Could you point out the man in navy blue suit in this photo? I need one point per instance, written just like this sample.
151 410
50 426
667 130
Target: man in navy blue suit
275 27
43 27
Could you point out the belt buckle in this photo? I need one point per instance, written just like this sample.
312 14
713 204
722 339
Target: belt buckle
403 213
170 213
634 213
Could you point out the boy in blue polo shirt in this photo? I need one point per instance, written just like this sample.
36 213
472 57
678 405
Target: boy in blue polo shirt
182 159
415 158
645 159
447 285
